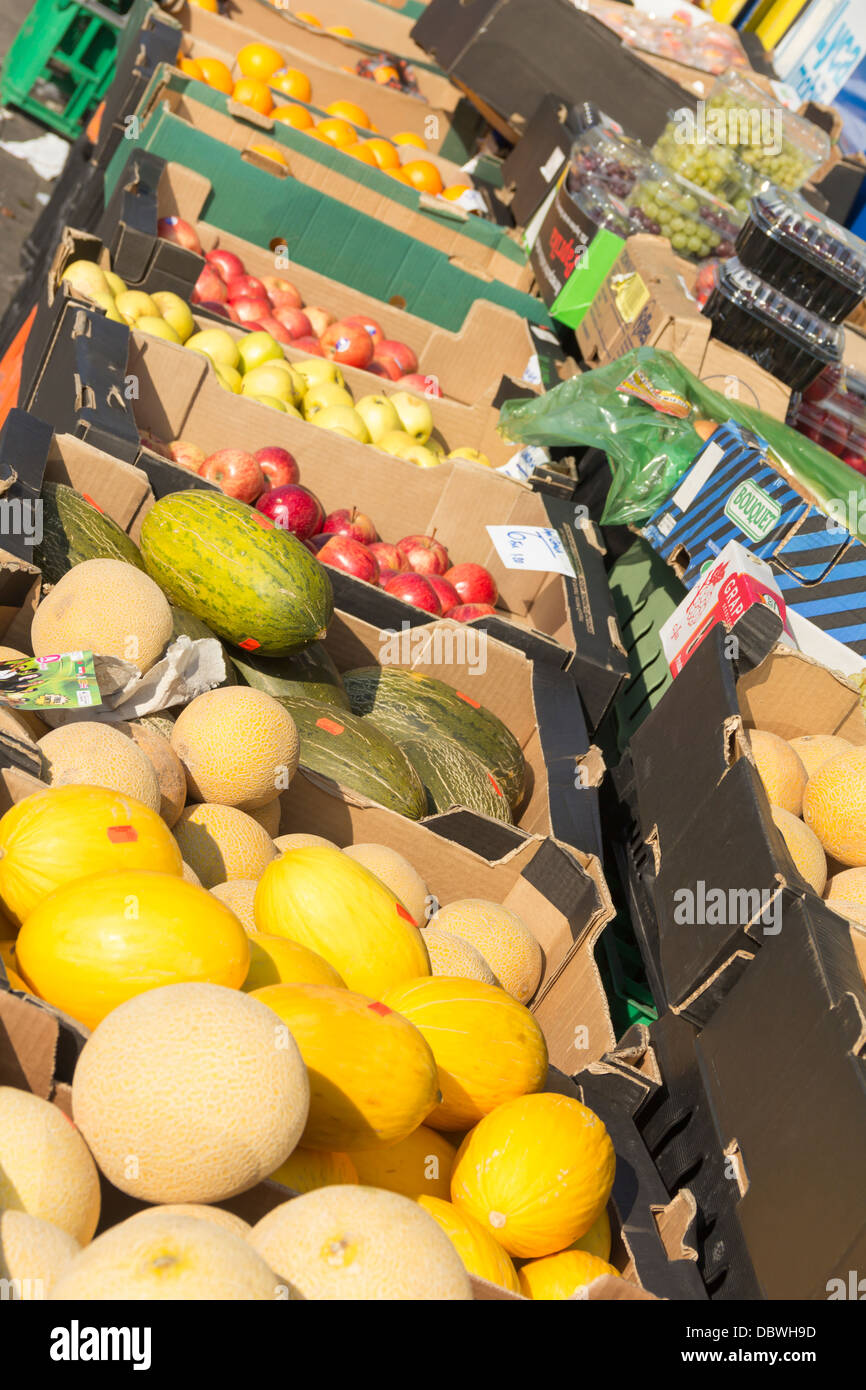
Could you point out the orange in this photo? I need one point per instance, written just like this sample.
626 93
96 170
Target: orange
455 191
216 74
297 116
308 18
384 153
408 137
359 151
341 30
210 5
271 152
251 91
259 60
386 74
423 175
400 175
349 111
190 67
293 84
338 132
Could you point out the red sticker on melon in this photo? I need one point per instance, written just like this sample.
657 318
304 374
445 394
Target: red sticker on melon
88 498
406 915
330 727
249 644
380 1008
495 784
474 703
122 834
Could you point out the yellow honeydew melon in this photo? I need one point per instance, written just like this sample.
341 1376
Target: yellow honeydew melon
104 606
563 1275
46 1168
209 1105
88 754
239 747
306 1169
481 1254
222 843
360 1243
397 874
419 1165
503 939
597 1240
274 960
33 1254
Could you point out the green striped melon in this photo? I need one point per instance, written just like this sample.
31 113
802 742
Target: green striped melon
356 755
310 674
188 625
410 705
254 584
73 530
452 776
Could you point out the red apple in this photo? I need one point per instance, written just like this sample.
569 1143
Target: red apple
417 381
424 554
311 346
187 455
271 324
320 539
208 286
278 466
473 583
369 326
282 293
417 590
226 264
310 546
350 523
389 557
246 285
155 445
319 318
385 366
445 592
391 349
348 343
249 309
293 508
295 321
465 612
386 573
350 555
235 472
212 307
176 230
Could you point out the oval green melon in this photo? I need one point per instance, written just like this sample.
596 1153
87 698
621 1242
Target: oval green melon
310 674
452 776
74 530
255 585
356 755
410 705
188 625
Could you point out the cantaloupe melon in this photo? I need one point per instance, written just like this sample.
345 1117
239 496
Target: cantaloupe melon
834 806
397 874
341 1243
849 884
268 816
301 840
537 1173
274 960
597 1240
372 1075
101 940
104 606
64 833
481 1254
46 1169
324 900
222 843
452 956
190 876
33 1254
814 750
418 1165
852 912
166 764
503 939
167 1257
209 1105
780 770
306 1169
238 894
561 1276
87 754
201 1210
488 1048
804 848
239 746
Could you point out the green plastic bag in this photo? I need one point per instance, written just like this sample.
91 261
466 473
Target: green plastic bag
643 409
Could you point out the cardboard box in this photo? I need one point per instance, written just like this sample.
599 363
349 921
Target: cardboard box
373 25
646 301
572 258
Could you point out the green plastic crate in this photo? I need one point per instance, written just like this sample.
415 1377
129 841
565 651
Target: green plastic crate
618 957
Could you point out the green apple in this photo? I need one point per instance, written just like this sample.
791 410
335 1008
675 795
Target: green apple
228 377
273 401
86 278
115 284
299 386
415 415
326 394
135 304
342 417
216 344
268 380
316 370
473 455
378 415
256 348
156 326
176 312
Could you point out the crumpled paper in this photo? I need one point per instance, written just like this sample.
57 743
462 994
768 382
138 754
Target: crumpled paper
187 669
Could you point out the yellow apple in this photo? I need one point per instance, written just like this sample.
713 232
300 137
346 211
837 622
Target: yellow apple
216 344
268 380
316 370
104 300
326 393
403 446
299 386
228 377
473 455
256 348
156 326
415 415
273 401
176 312
378 415
115 284
135 304
86 278
342 417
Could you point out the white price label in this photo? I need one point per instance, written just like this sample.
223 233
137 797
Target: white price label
523 464
470 201
532 371
531 548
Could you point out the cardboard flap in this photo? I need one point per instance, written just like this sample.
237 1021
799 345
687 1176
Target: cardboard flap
28 1045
